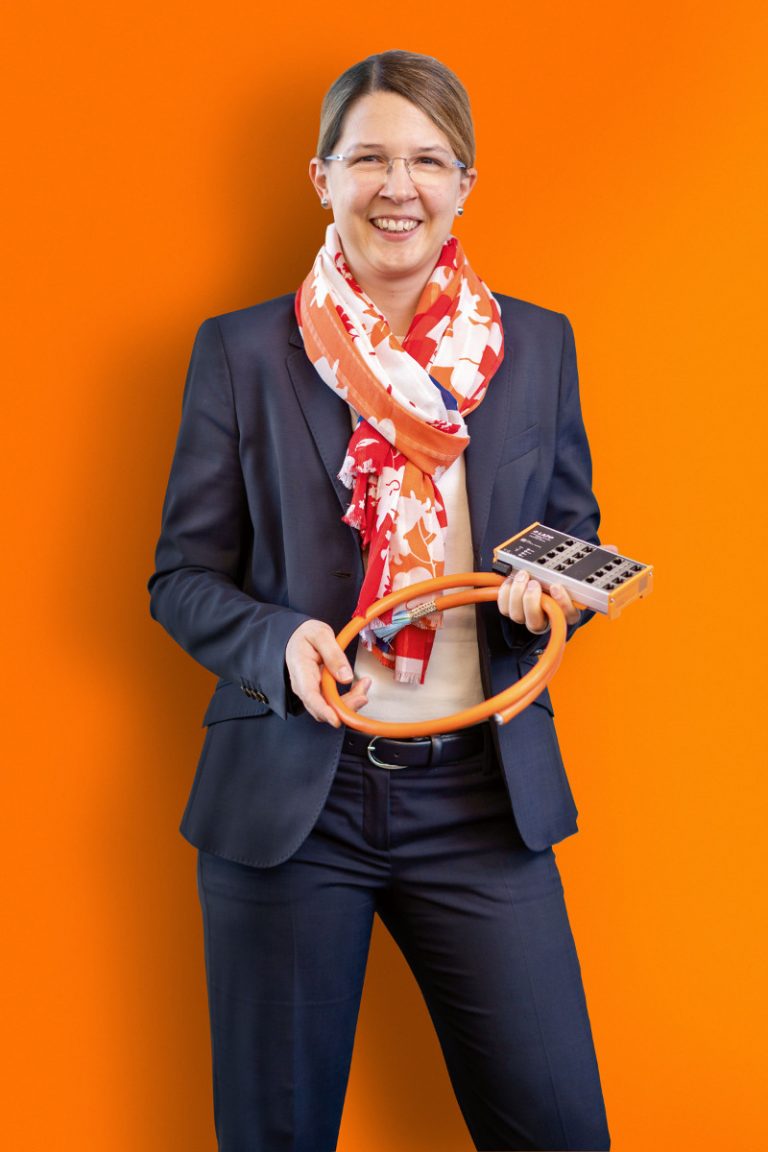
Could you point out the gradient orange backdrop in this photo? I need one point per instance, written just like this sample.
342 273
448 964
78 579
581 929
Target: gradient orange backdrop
156 166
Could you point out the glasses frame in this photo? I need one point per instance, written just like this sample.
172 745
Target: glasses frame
391 160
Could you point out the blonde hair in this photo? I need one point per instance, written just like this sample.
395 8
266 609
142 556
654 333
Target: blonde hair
422 80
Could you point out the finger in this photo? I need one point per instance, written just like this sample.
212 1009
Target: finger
333 657
563 600
535 619
307 688
318 709
357 697
510 597
609 547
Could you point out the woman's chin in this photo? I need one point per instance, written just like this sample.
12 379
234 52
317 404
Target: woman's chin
403 260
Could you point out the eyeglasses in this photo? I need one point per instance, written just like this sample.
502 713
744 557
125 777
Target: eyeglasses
427 170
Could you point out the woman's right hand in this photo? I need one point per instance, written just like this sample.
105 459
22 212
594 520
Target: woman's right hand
311 648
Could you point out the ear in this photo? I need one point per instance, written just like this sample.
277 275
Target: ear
467 183
319 177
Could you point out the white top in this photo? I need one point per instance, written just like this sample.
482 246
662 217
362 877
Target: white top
453 679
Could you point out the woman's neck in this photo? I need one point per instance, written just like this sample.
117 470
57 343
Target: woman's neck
397 300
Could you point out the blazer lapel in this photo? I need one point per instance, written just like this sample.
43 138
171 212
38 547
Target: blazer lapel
326 414
487 427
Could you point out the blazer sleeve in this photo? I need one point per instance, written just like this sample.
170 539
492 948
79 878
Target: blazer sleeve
195 590
571 505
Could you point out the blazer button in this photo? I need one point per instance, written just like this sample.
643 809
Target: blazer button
262 699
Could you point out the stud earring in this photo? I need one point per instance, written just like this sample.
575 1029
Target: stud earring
459 211
324 202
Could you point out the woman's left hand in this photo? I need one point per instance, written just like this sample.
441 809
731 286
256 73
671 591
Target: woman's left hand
520 600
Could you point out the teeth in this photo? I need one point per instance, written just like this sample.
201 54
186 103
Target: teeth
388 225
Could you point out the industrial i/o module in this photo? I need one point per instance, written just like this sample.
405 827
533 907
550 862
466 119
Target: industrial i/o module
594 577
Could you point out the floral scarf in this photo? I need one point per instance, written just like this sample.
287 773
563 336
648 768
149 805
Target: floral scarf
412 398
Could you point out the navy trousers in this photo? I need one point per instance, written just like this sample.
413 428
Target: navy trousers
482 923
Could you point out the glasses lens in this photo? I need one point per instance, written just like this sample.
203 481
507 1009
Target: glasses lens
428 171
425 171
365 167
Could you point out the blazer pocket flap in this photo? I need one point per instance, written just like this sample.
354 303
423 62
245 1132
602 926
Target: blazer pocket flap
519 443
229 702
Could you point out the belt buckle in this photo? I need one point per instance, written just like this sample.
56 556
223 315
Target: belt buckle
381 763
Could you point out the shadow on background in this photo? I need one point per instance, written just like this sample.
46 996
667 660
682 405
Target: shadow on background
146 891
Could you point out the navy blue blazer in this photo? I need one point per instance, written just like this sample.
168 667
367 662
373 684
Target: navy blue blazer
252 544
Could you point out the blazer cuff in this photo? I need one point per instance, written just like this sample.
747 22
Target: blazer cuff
272 687
520 640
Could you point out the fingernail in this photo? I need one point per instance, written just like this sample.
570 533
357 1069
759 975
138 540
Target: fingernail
345 674
521 575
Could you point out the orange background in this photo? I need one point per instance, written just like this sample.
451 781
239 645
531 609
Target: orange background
157 172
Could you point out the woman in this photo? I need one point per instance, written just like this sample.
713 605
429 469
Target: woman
391 421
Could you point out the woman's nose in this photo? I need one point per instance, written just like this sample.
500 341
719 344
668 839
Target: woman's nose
397 181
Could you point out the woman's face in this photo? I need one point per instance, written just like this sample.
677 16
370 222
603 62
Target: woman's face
367 213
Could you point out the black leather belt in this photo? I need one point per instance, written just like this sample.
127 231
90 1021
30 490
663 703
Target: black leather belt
419 752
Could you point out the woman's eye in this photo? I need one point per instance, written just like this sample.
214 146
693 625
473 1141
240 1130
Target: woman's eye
370 159
428 162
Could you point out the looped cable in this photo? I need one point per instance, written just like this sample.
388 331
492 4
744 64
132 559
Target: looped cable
477 587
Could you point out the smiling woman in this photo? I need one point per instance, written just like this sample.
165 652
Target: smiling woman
391 422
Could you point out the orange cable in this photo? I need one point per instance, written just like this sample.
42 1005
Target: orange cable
479 587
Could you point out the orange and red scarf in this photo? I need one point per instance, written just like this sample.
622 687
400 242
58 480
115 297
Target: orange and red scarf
412 398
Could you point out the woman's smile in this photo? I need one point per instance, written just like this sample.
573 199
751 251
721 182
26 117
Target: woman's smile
399 226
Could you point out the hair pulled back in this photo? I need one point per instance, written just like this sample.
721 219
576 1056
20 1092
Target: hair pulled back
422 80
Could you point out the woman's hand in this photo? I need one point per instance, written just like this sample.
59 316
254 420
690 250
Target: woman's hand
520 600
311 648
